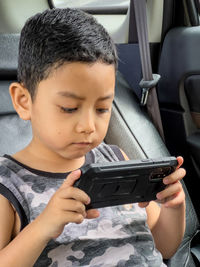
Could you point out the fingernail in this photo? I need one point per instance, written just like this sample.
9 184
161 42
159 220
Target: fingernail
88 201
158 196
97 214
165 180
76 172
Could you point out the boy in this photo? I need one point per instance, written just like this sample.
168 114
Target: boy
66 79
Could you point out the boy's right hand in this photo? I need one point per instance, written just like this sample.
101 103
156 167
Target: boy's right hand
65 206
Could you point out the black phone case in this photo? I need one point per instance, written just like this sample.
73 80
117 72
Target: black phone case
123 182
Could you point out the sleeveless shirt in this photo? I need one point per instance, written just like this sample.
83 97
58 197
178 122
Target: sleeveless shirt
119 237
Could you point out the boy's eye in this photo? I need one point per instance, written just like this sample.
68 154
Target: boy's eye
68 110
102 110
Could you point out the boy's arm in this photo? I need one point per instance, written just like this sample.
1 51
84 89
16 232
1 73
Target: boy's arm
167 223
11 254
24 249
6 221
66 205
167 226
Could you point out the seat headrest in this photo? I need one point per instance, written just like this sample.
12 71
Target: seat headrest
8 69
8 55
6 106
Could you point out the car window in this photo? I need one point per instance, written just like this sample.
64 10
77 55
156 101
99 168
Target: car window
117 6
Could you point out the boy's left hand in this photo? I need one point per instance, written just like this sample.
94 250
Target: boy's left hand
173 195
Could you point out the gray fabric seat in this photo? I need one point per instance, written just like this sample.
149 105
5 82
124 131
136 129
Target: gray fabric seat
130 129
14 132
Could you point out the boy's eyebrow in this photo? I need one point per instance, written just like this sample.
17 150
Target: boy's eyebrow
72 95
106 97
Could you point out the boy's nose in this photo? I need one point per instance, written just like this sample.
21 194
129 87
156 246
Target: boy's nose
86 124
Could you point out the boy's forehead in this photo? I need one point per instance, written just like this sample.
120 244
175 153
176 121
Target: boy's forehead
70 78
81 70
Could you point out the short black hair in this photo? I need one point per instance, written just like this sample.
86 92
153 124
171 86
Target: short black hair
56 36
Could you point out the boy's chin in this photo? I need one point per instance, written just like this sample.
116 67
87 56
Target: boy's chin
74 156
76 152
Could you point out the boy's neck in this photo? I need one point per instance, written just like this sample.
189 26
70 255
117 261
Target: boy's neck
56 164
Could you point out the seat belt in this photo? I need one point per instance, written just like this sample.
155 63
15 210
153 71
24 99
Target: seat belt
150 80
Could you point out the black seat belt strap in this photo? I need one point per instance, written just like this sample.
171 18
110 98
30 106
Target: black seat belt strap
150 80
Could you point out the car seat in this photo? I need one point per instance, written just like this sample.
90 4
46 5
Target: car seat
14 132
130 128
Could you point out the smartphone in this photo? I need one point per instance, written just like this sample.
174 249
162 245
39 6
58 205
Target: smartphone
124 182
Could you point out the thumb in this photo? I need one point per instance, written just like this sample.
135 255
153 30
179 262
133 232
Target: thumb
71 178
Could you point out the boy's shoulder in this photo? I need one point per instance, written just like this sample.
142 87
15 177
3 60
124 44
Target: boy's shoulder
7 165
106 152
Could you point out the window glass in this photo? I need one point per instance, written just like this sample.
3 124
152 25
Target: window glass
94 5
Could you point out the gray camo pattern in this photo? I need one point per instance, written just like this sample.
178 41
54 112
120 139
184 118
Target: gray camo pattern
119 237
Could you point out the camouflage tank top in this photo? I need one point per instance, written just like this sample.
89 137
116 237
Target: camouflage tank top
119 237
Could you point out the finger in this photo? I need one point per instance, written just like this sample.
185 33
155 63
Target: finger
74 193
143 204
176 201
73 205
73 217
92 214
71 178
170 191
180 161
177 175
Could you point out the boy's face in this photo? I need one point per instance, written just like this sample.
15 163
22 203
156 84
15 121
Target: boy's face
72 107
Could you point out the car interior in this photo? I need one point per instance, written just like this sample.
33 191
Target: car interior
174 37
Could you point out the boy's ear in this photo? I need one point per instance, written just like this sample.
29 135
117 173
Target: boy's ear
21 100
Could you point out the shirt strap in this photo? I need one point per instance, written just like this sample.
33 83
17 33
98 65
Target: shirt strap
4 191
